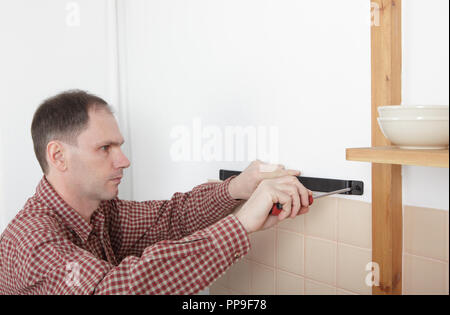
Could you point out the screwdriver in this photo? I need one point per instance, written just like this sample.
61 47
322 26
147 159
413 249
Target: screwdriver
276 210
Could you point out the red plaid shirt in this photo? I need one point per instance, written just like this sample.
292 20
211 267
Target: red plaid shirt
176 246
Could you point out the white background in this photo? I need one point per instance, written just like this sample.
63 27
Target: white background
301 66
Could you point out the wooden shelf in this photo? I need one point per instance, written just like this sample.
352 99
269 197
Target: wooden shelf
393 155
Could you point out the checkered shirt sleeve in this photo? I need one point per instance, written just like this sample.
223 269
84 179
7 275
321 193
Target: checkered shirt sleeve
177 246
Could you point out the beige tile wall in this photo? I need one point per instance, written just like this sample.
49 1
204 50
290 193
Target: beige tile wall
425 251
327 250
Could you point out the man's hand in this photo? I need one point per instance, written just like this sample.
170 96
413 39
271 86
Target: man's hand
243 186
287 190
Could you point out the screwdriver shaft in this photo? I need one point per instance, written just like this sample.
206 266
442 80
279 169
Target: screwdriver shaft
340 191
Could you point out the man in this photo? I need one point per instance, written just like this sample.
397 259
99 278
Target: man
75 236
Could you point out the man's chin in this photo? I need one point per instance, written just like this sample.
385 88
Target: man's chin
111 195
115 194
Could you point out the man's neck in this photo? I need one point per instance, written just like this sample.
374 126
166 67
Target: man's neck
85 207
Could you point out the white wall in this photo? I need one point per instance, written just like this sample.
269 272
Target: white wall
300 66
44 50
425 82
2 189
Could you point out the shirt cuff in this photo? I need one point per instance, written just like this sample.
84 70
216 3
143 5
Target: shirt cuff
222 195
231 238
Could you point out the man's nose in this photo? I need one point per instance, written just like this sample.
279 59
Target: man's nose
122 161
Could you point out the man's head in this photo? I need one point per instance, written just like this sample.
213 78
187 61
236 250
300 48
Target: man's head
77 140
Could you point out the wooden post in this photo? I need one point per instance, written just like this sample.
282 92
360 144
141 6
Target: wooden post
387 225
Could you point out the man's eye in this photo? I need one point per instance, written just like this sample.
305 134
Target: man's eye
105 148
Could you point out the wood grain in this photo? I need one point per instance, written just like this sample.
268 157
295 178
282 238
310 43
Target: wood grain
387 225
393 155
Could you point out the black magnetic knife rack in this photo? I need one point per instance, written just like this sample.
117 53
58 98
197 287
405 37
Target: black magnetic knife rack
316 184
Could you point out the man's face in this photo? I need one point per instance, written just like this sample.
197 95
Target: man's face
96 164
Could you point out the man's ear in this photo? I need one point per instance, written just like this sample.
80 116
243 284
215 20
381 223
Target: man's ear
56 155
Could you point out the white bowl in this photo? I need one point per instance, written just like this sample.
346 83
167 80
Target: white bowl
414 111
416 133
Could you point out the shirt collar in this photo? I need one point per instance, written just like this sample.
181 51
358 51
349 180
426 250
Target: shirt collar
72 219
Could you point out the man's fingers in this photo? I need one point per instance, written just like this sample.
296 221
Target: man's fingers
304 195
271 171
268 171
295 197
303 211
303 192
293 173
286 201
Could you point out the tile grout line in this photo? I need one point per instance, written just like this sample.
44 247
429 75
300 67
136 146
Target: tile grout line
325 239
304 235
303 258
304 254
275 266
250 286
305 277
275 263
426 258
336 237
403 245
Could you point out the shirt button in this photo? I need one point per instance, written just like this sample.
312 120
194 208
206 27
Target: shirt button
237 255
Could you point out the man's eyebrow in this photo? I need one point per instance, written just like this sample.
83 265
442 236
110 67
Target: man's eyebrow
102 144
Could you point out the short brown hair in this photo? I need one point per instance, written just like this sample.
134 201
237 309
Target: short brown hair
62 117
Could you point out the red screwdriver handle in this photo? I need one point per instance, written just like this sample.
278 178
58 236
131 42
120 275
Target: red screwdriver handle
276 209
